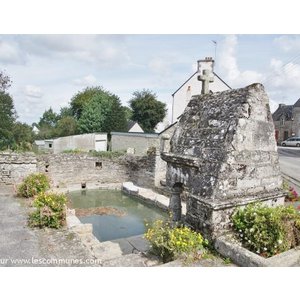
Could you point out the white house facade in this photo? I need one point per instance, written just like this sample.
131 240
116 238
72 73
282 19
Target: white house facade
192 86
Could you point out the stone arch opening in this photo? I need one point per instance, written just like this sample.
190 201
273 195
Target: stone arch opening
175 206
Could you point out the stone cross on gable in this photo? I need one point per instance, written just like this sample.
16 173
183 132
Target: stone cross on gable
206 78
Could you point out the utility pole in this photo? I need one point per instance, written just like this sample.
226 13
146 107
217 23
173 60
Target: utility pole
215 43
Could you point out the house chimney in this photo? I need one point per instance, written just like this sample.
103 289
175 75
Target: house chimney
205 64
281 105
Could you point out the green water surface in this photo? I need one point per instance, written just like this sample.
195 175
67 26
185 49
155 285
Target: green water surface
110 227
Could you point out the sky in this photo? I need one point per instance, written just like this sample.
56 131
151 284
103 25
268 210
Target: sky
48 69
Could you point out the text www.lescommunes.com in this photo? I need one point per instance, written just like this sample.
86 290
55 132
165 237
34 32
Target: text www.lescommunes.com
48 261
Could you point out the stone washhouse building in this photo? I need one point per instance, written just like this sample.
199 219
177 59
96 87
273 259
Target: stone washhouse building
287 121
222 155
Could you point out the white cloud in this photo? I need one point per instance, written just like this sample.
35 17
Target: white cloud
105 50
10 53
288 43
160 66
229 66
85 81
33 91
285 76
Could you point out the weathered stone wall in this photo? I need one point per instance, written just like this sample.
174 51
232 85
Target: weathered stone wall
160 164
141 169
65 169
14 167
224 154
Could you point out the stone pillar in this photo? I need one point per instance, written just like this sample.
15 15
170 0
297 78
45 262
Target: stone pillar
175 203
165 143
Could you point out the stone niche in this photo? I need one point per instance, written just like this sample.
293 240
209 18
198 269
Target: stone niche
223 155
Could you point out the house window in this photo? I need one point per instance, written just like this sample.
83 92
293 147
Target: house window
50 145
282 121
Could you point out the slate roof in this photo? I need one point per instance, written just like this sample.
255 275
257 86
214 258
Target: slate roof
285 110
297 104
130 124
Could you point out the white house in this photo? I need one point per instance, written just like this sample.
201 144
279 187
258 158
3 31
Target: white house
133 126
192 86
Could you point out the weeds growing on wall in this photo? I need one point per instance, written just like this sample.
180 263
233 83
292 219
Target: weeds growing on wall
267 230
108 154
169 242
33 184
74 151
50 211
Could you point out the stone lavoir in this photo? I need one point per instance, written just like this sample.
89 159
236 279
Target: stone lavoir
223 155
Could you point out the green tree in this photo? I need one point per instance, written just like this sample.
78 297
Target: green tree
7 119
47 124
102 113
66 126
128 113
65 112
81 99
23 136
147 110
5 82
49 118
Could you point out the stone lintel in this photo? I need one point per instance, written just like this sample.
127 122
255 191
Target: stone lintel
216 205
185 160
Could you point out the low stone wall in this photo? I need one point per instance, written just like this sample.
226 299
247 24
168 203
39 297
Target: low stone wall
229 247
65 169
14 167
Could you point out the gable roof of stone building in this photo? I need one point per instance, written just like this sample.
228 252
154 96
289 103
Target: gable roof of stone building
285 111
297 104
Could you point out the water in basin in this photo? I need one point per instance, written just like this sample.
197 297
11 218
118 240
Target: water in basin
125 215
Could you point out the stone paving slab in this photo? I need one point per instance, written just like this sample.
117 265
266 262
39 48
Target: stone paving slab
22 246
131 260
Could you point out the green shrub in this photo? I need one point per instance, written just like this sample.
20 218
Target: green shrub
73 151
107 154
170 242
50 210
33 184
267 230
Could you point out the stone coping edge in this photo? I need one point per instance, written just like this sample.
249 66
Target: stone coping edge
90 186
227 246
149 196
